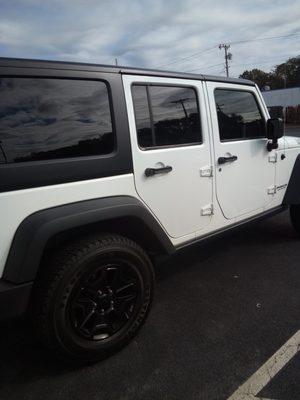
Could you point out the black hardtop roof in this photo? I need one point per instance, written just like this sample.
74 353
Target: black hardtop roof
31 63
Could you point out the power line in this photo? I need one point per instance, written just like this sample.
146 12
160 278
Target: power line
265 38
270 62
179 60
261 63
237 65
205 66
194 55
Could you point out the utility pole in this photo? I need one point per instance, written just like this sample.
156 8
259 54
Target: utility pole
228 56
285 73
181 101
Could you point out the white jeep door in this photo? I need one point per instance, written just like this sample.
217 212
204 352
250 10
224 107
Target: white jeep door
245 173
171 150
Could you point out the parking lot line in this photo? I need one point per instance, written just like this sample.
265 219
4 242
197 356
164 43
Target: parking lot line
260 379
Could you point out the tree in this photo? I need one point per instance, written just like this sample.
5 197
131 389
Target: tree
283 75
289 72
260 77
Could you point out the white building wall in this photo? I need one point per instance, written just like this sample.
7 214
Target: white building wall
282 97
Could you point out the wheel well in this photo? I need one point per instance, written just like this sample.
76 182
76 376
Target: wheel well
130 227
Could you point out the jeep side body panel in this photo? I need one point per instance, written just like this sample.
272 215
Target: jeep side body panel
159 159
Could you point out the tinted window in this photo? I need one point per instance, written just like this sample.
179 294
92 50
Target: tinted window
42 119
142 116
238 115
166 115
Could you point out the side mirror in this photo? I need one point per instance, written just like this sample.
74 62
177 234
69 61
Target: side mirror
274 132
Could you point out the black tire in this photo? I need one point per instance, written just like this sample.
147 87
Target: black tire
81 281
295 217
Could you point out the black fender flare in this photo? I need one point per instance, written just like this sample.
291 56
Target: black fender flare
292 194
37 229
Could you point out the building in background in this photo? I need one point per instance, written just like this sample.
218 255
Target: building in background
284 102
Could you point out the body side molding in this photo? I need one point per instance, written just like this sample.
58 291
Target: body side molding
37 229
218 234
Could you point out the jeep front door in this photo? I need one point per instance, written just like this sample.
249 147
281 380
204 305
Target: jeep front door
245 175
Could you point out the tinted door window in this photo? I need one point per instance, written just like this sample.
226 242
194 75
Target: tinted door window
142 116
166 115
42 119
238 115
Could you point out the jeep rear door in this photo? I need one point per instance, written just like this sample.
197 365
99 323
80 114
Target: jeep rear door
245 170
171 150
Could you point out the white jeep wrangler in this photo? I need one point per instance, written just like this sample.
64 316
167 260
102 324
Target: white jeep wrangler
104 168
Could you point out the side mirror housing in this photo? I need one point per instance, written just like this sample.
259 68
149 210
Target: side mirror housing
274 132
274 128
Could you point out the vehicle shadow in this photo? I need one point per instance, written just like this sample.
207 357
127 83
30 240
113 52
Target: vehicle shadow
23 356
24 359
268 233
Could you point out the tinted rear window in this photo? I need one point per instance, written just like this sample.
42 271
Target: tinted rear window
42 119
166 115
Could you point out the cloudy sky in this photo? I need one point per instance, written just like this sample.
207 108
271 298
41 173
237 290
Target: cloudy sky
180 35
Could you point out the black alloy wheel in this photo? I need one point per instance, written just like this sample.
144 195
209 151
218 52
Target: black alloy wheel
104 300
92 297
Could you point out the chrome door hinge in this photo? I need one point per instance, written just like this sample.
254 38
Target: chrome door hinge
206 171
273 158
272 190
207 210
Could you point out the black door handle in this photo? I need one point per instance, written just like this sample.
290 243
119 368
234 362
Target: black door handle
161 170
223 160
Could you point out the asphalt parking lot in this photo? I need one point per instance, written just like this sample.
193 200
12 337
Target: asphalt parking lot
220 311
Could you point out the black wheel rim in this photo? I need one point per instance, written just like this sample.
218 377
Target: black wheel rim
104 300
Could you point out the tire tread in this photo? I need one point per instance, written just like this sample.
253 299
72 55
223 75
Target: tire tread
53 271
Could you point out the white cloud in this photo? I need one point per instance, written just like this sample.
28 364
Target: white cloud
151 33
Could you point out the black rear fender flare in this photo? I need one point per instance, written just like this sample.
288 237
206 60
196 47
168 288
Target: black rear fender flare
38 229
292 194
